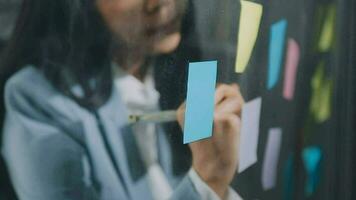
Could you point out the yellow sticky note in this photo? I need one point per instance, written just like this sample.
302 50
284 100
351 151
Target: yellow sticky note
324 112
321 101
328 30
250 19
316 85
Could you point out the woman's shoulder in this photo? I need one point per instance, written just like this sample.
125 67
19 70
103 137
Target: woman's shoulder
29 79
28 83
28 92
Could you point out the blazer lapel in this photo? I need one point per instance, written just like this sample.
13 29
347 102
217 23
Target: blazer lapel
123 144
135 162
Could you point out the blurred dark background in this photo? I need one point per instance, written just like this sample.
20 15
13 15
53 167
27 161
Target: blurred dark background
217 23
335 136
9 10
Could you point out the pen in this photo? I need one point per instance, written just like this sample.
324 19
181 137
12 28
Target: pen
156 117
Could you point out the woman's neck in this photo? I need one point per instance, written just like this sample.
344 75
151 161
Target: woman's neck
134 61
137 68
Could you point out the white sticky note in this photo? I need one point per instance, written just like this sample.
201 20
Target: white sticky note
249 134
250 19
271 157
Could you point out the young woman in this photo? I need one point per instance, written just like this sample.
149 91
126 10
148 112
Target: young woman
82 67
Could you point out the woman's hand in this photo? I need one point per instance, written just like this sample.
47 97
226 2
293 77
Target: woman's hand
215 159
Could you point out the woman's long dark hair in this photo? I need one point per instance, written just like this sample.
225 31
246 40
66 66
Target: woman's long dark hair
69 42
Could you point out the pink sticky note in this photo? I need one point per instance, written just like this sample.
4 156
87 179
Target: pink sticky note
292 62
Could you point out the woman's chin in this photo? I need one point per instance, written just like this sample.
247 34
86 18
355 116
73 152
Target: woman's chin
167 44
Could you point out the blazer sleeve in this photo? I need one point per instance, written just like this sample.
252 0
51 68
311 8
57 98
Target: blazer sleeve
43 161
185 190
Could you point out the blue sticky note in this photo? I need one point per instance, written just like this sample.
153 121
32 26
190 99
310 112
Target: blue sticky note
199 112
276 47
311 158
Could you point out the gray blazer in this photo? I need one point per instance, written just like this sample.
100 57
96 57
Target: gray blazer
55 149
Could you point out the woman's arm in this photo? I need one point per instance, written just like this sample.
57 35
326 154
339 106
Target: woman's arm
215 158
44 163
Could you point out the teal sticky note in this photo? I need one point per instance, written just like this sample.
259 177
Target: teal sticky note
199 112
276 51
289 178
311 158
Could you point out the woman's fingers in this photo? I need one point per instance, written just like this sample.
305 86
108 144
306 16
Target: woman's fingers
226 123
228 99
230 105
180 114
225 91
